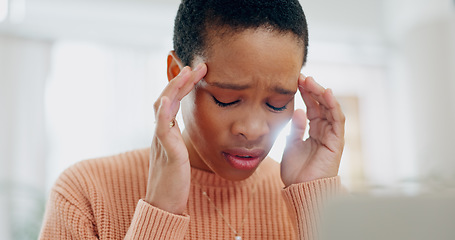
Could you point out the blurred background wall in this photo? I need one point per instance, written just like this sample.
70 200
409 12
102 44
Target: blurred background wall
78 80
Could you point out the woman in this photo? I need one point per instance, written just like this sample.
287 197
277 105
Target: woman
235 71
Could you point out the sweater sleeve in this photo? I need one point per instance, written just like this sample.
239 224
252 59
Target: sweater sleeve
305 201
77 207
150 222
65 220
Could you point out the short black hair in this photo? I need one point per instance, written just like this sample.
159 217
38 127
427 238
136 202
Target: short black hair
195 18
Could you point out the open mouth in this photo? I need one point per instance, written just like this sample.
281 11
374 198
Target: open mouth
244 159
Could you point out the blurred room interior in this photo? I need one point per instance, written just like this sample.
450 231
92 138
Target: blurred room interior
78 80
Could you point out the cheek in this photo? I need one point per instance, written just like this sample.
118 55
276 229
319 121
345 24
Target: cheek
278 121
206 117
197 115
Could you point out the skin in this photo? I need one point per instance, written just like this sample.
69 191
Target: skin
255 75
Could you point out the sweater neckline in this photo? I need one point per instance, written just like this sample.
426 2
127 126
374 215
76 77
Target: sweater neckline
205 178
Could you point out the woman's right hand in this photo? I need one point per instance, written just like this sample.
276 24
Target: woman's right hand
170 172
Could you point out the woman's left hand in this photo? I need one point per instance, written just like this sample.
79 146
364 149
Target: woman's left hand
319 155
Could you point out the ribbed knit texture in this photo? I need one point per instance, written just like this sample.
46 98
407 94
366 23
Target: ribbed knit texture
101 199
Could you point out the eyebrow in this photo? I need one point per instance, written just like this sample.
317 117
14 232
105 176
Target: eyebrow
283 91
230 86
237 87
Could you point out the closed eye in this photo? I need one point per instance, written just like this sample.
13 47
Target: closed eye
223 104
277 109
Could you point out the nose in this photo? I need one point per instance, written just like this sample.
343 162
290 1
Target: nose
252 126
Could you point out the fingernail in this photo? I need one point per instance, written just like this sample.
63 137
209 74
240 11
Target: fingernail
198 67
183 71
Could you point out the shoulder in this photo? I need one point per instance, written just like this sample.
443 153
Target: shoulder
86 175
131 161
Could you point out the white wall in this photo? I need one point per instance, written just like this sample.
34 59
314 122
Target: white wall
421 76
99 101
24 66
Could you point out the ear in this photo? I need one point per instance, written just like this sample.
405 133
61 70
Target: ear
174 65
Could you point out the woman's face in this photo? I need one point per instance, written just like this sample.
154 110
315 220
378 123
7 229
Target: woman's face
234 114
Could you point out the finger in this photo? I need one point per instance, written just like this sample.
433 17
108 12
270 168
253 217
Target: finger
167 137
321 104
181 85
334 106
172 87
309 90
164 117
337 116
193 78
298 125
313 108
316 90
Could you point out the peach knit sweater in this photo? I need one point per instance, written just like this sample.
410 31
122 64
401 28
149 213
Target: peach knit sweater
101 199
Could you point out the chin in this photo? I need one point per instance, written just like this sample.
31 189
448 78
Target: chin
236 176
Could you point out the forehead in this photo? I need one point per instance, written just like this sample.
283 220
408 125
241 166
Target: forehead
221 36
254 56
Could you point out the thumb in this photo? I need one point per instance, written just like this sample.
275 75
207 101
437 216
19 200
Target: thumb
298 125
